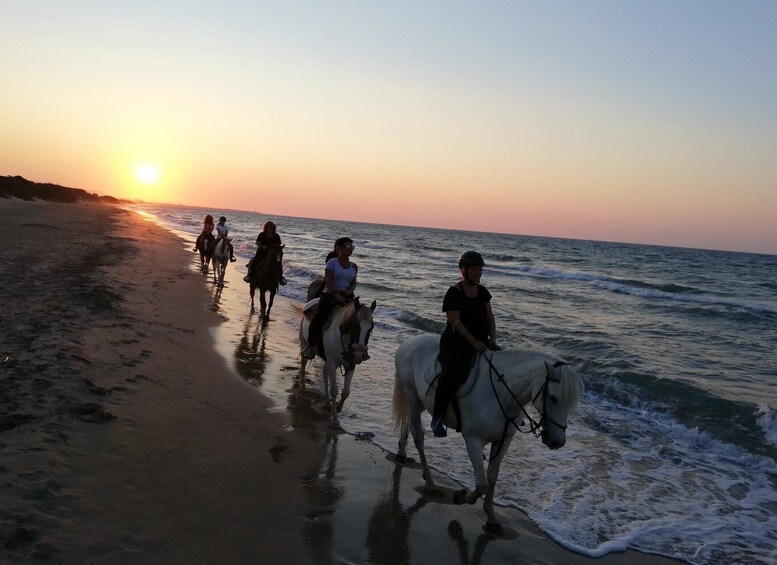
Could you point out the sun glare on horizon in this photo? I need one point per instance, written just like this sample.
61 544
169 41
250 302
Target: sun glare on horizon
147 174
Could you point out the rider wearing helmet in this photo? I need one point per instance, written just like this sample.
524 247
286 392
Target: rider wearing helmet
470 328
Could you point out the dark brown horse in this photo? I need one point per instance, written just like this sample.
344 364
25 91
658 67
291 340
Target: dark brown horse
266 277
204 245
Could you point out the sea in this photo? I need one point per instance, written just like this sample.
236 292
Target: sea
673 449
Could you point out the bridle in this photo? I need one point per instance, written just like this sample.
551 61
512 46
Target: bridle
535 427
354 333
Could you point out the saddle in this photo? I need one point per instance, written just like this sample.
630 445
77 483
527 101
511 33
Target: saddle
464 389
310 310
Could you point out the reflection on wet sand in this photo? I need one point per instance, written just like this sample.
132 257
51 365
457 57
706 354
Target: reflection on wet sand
456 532
251 357
324 490
389 527
215 293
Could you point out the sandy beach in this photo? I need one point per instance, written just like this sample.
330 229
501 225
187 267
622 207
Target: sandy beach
147 417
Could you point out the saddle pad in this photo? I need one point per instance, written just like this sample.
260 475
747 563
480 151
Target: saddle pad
310 310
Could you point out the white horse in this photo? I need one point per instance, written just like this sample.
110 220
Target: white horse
493 404
221 256
344 339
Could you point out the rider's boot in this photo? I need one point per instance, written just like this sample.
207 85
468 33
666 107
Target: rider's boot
309 352
438 427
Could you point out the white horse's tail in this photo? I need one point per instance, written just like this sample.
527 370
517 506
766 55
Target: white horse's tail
401 413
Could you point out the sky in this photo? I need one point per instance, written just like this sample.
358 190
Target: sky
642 122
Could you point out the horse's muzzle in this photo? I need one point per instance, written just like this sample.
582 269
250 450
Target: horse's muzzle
553 443
360 353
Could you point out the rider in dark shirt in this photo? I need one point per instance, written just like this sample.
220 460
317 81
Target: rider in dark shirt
470 328
266 239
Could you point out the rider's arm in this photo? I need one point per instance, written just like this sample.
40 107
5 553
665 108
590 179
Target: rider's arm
491 324
329 280
460 330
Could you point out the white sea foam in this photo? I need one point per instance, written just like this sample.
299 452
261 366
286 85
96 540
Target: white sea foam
767 420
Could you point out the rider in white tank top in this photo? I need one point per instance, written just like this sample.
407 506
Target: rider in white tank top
342 275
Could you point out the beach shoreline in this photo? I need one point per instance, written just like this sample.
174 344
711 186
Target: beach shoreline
128 437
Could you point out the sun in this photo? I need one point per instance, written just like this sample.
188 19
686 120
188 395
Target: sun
147 174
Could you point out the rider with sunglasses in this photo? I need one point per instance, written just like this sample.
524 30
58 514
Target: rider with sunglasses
340 282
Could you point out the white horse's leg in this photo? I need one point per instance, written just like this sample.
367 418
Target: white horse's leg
346 389
303 342
417 429
302 366
492 525
330 383
475 452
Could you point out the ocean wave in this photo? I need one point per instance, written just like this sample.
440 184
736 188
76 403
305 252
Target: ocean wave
643 289
418 322
504 258
707 300
376 286
736 423
767 420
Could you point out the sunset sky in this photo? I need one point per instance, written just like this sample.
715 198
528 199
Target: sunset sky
648 122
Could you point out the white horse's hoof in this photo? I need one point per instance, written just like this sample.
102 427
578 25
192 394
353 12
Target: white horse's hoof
494 528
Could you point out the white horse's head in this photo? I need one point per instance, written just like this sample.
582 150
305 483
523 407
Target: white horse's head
555 395
358 325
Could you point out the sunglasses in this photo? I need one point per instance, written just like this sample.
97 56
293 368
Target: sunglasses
348 246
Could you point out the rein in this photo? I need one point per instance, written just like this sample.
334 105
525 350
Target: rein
535 427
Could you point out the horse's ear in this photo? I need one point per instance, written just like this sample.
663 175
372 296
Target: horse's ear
356 304
373 305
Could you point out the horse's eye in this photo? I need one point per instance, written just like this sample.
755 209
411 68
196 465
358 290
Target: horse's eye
553 399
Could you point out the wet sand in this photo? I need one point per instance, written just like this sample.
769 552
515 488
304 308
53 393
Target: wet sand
127 437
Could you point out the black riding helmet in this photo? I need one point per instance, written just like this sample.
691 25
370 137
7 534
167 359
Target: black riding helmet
471 259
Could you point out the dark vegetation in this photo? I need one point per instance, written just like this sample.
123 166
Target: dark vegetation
20 187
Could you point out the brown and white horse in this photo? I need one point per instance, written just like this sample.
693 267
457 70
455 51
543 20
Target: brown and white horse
221 255
344 340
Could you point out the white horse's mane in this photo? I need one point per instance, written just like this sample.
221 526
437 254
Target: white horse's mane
570 383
